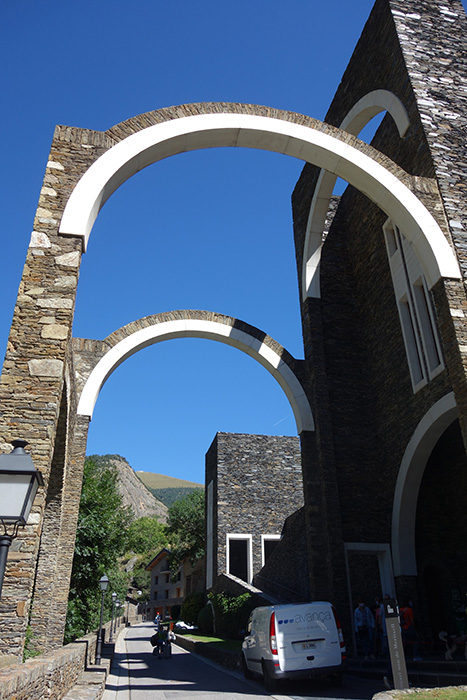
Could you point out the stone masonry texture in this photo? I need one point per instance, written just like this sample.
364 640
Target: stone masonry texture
362 397
257 484
342 477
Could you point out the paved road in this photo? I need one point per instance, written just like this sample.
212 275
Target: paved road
138 675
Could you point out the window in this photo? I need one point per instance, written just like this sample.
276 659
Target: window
268 544
239 556
166 593
415 308
410 338
427 325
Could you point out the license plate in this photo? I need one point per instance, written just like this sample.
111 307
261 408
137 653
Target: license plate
308 645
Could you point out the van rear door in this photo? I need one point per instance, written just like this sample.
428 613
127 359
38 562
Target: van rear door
307 636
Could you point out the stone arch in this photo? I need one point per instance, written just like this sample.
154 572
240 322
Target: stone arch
426 435
198 324
185 129
356 119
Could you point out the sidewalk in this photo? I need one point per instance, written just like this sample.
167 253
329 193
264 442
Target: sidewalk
118 678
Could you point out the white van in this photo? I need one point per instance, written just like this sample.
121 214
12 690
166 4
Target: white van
293 641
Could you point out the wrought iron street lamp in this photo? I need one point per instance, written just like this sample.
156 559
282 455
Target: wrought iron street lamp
114 598
19 481
103 583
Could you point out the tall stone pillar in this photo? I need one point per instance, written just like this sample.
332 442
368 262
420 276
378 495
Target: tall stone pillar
32 396
57 545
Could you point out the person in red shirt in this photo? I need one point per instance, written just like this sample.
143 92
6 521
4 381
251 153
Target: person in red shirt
409 634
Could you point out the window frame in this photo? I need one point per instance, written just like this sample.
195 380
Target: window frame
267 538
249 539
415 308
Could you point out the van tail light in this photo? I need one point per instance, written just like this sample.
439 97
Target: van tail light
272 633
340 634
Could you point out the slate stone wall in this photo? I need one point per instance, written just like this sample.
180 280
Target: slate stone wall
257 483
286 573
34 402
367 406
52 674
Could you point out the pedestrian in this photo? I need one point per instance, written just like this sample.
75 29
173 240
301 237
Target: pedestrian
157 621
159 640
364 627
409 634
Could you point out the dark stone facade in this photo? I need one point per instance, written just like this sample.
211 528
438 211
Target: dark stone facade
353 339
256 484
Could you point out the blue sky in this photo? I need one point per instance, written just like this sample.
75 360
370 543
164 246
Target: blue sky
204 230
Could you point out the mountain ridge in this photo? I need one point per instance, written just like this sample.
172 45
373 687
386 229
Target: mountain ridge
133 491
148 494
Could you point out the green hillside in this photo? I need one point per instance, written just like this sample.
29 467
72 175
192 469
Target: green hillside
170 495
161 481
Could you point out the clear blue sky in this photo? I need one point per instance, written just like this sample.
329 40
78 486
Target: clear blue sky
205 230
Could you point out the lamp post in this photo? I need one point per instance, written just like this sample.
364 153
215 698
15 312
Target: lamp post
128 610
114 598
19 481
117 605
103 583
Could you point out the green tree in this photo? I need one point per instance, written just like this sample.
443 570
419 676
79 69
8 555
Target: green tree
145 538
100 540
185 527
146 535
141 578
192 605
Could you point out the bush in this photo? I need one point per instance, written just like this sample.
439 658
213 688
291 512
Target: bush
191 607
205 620
232 613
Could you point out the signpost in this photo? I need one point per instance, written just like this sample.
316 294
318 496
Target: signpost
396 649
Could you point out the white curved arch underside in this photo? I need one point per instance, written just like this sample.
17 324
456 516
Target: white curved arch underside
245 130
426 435
372 104
356 119
194 328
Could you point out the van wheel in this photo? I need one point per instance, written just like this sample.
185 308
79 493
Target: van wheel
246 671
270 683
